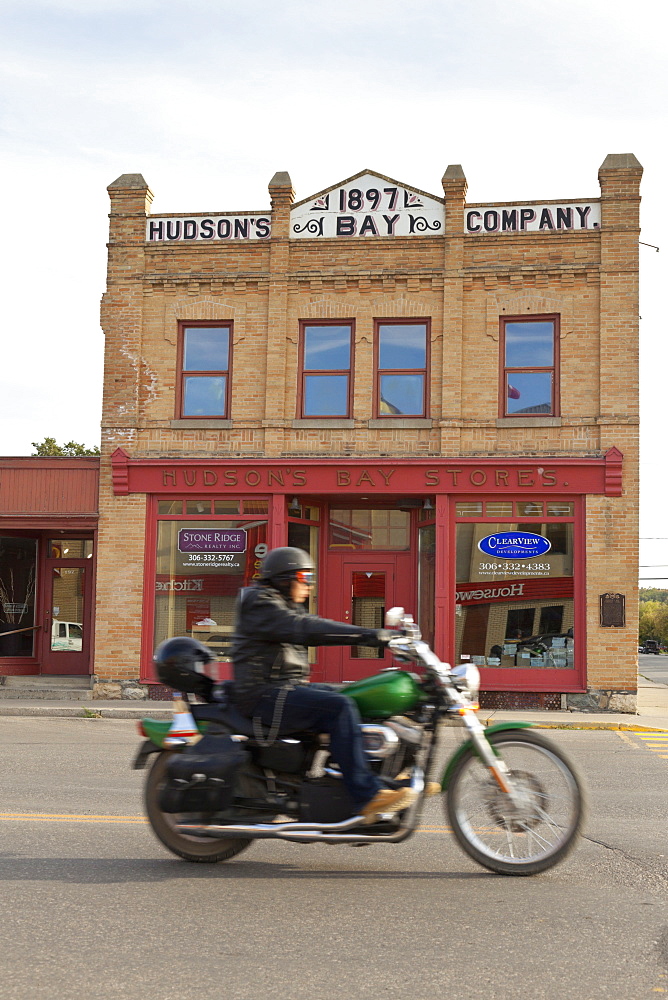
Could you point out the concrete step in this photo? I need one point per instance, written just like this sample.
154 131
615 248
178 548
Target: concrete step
48 681
45 688
44 694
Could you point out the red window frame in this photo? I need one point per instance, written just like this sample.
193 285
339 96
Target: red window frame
425 372
153 517
182 374
507 371
532 678
348 372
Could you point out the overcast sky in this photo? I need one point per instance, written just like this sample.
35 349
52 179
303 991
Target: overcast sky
208 98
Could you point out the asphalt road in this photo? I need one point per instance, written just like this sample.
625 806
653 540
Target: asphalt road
653 667
93 907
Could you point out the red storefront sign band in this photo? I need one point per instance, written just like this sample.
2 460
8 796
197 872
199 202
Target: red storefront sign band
402 476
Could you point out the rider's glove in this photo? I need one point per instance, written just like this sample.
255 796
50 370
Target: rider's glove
385 634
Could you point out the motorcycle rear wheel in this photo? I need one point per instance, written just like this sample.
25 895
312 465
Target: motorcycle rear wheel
197 849
517 840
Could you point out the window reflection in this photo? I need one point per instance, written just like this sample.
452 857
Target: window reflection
17 595
515 612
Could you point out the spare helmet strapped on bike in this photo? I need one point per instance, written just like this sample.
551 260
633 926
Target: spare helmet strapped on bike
177 661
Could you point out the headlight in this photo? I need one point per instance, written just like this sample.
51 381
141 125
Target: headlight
467 678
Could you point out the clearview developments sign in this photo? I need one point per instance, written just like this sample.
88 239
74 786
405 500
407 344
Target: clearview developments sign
533 218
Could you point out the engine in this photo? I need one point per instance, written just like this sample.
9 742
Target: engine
391 744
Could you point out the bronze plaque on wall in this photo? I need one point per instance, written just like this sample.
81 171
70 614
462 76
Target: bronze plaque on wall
612 610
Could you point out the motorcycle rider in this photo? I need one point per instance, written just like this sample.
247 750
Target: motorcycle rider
271 673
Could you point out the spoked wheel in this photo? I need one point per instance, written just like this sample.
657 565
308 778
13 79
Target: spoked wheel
204 849
528 836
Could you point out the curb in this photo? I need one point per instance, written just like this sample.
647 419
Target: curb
79 712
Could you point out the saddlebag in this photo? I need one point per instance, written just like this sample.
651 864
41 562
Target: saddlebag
324 800
201 777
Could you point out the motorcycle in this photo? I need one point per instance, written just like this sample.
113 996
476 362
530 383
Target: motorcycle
218 782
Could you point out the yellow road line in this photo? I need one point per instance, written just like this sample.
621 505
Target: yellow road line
70 818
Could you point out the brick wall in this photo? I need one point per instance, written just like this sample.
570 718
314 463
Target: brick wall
463 283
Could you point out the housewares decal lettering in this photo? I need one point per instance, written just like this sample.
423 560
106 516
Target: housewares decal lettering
368 206
532 218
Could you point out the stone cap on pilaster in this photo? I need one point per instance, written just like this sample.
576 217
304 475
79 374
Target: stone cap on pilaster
620 161
454 178
280 188
619 176
282 196
454 188
130 194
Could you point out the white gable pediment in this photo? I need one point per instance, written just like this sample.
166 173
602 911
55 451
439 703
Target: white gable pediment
367 205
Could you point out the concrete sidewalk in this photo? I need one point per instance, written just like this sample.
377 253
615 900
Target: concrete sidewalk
652 712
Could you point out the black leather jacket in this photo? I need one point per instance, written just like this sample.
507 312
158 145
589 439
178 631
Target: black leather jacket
271 636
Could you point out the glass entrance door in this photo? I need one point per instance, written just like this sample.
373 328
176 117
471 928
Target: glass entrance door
368 591
66 636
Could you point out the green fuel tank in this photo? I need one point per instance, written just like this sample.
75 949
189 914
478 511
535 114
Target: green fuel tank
391 692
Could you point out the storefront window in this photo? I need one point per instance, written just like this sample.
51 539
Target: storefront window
71 548
369 529
17 595
514 604
200 567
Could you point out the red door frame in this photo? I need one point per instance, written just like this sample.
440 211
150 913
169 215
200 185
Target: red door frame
335 664
518 678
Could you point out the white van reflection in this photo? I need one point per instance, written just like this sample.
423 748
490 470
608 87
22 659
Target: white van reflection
66 635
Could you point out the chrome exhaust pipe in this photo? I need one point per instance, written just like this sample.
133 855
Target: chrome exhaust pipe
331 833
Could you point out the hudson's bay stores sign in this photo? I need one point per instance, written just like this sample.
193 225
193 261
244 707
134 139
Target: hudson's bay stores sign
371 205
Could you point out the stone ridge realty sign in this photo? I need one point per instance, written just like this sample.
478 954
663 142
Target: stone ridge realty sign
368 205
208 549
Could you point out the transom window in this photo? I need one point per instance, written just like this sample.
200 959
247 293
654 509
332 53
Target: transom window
326 369
205 353
401 368
529 355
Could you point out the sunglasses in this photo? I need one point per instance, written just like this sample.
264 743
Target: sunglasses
305 576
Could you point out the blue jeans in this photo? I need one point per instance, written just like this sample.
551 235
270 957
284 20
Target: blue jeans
318 708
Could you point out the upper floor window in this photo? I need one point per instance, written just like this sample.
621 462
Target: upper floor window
530 366
326 369
402 355
205 363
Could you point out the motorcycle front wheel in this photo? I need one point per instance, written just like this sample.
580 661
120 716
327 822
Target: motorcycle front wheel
535 832
190 848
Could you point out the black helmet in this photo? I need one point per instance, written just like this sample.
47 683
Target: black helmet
284 562
177 661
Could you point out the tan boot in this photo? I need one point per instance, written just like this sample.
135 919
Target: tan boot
388 800
431 788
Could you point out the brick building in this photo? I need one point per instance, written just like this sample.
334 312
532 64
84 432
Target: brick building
438 399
